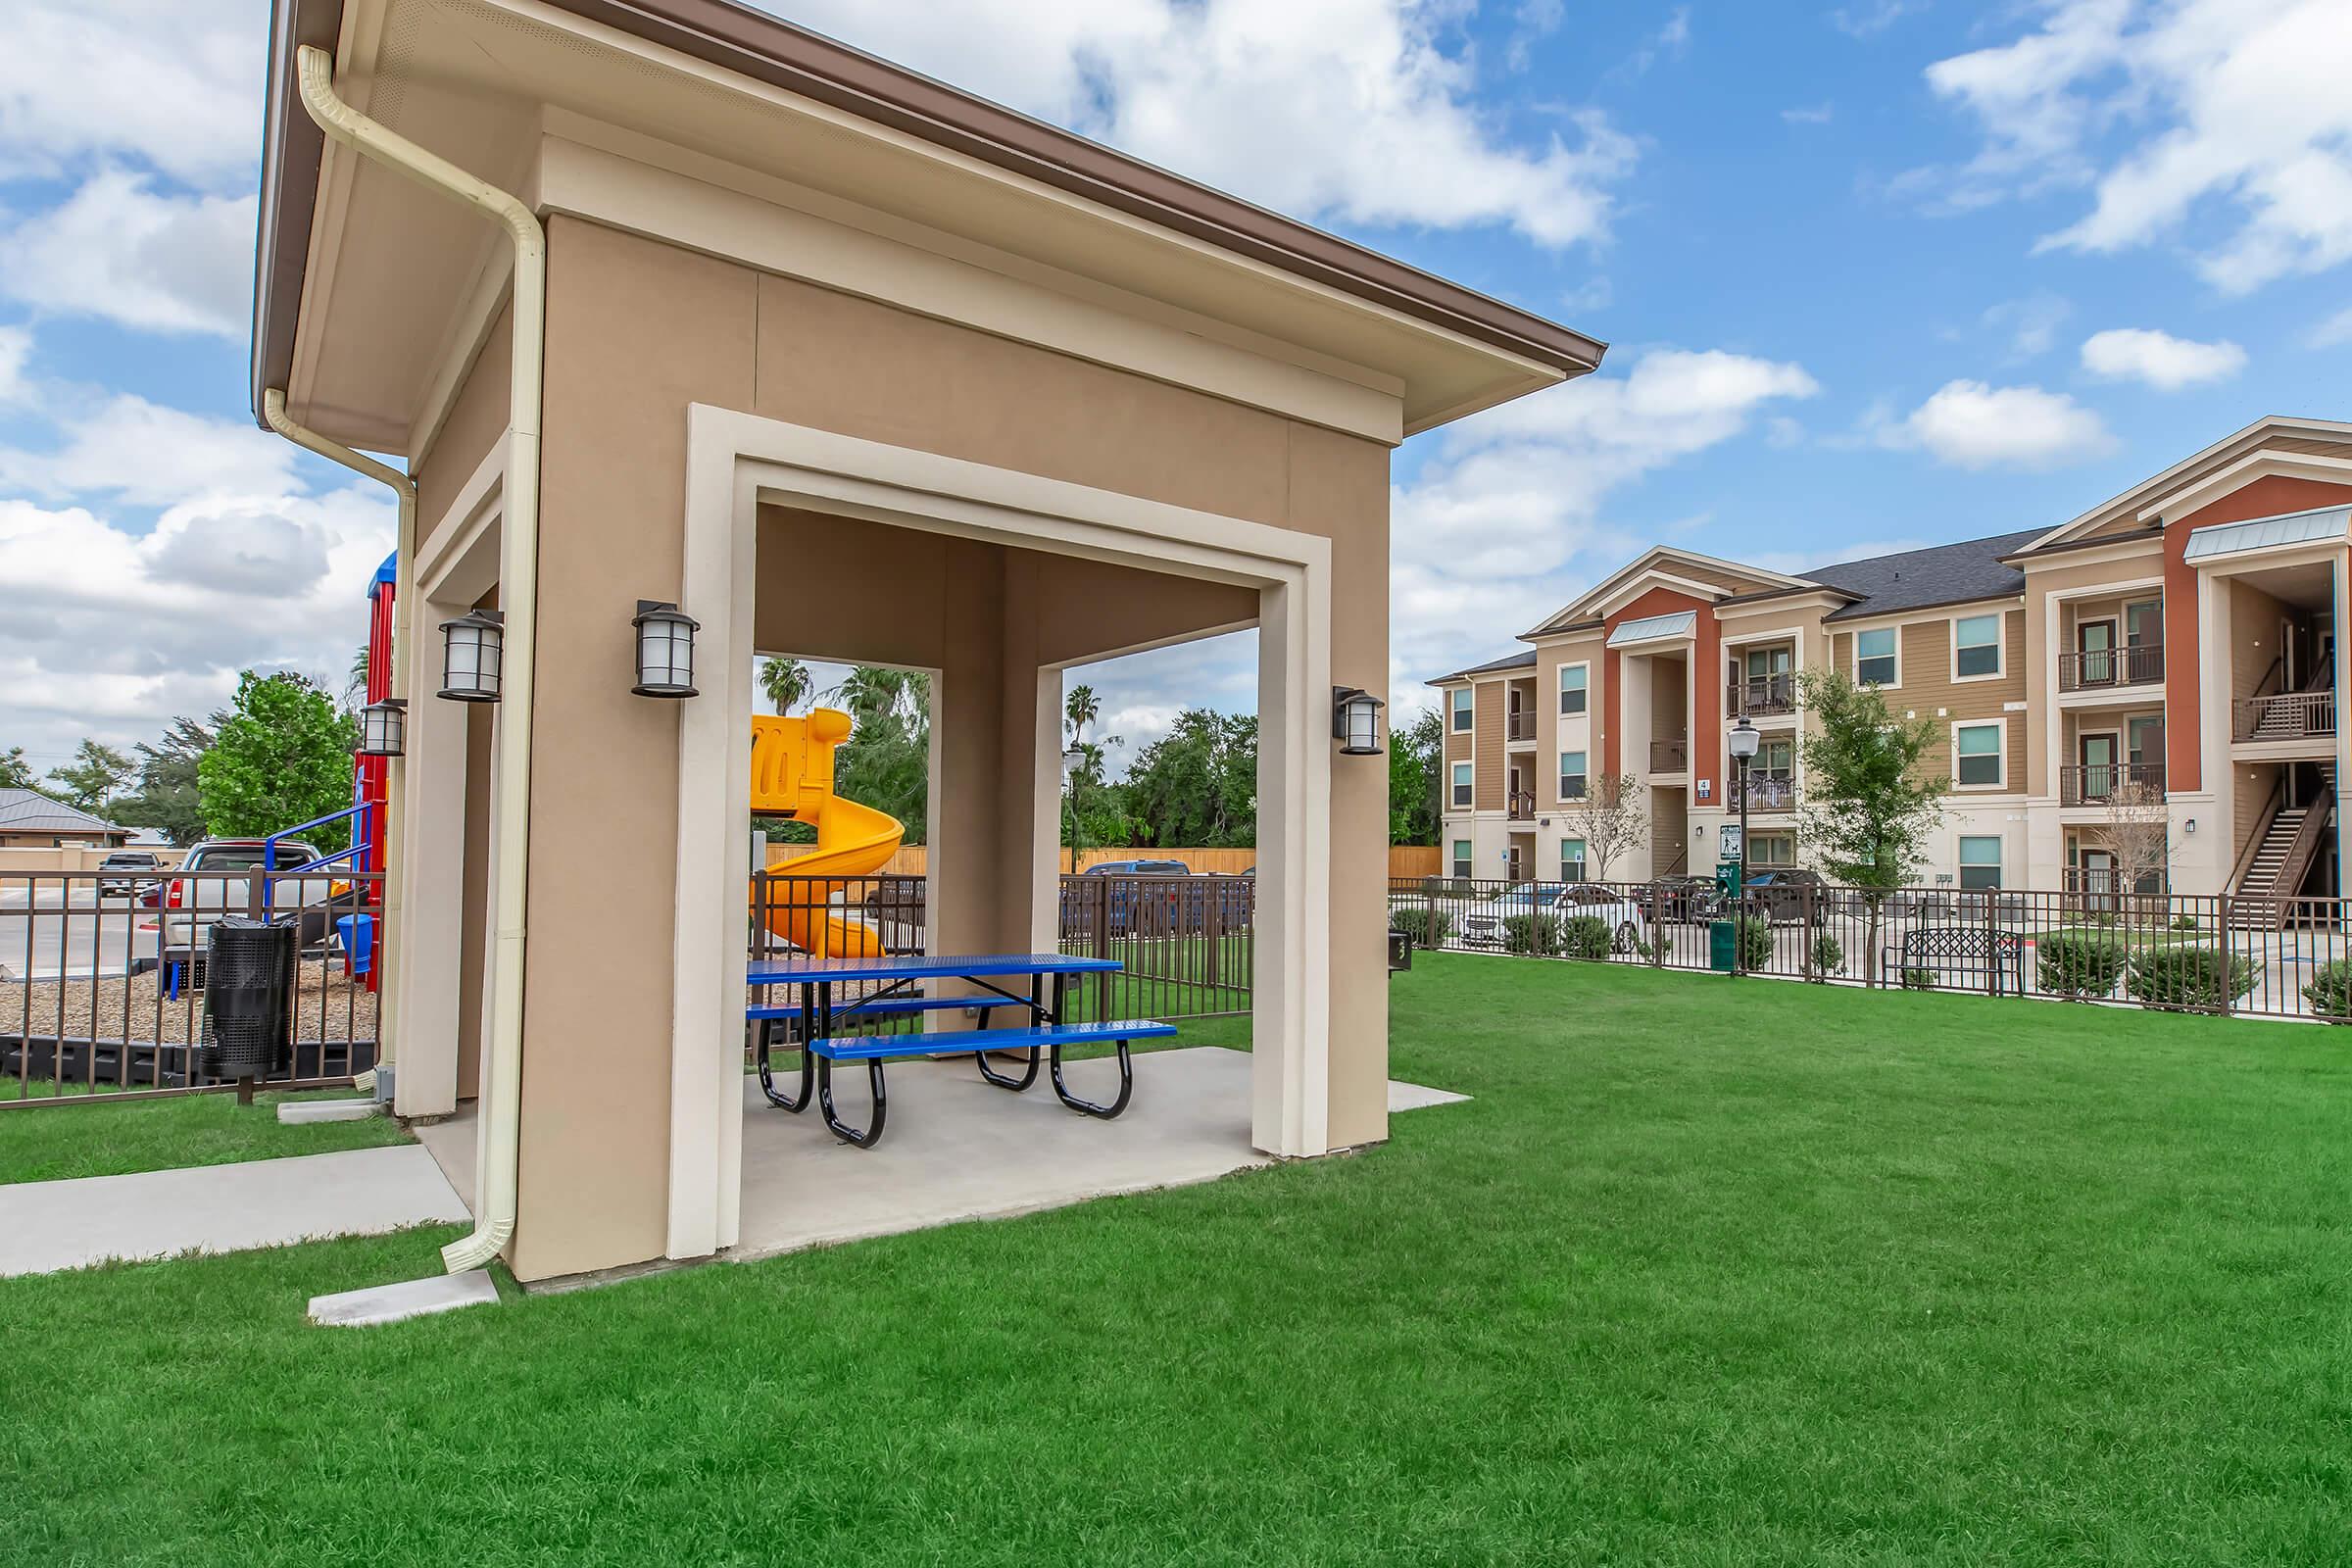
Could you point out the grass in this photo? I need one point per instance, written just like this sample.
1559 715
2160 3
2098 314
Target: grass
40 1145
1709 1272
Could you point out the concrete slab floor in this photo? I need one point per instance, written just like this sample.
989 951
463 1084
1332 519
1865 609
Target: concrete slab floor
221 1208
394 1304
955 1149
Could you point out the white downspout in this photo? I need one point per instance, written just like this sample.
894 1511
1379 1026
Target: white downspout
390 949
518 599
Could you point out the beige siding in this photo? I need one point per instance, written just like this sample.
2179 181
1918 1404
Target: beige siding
1487 779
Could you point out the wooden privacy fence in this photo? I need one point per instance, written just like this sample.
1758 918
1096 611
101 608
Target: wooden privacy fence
912 860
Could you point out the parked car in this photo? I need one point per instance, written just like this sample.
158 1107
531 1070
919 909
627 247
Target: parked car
212 882
128 871
1143 898
1483 925
1788 893
1678 899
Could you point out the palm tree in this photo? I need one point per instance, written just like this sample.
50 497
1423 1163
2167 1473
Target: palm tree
1082 708
786 681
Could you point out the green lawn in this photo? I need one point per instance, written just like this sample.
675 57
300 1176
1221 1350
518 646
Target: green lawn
54 1142
1709 1272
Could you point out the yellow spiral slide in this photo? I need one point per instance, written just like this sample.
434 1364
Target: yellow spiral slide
792 775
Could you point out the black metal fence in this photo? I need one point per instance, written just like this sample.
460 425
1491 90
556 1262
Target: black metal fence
101 981
2265 957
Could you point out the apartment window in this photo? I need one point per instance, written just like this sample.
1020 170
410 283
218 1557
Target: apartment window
2144 741
1572 775
1976 646
1572 679
1461 710
1976 756
1461 783
1461 859
1770 848
1572 859
1980 862
1878 661
2143 625
1775 759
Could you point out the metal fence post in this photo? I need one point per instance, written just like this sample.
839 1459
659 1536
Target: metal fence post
1658 926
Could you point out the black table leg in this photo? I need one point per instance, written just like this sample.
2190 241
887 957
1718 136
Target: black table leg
1037 1014
1126 1086
767 1080
840 1128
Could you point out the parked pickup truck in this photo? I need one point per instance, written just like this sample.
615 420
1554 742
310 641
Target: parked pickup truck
212 882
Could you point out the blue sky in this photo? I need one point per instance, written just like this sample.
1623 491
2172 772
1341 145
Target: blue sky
1876 273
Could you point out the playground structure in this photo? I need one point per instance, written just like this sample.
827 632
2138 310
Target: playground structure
792 776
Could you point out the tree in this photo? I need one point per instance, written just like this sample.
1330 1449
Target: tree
786 681
1197 786
1414 757
1869 803
2137 830
1611 821
355 680
167 798
91 781
1081 708
886 762
16 773
282 757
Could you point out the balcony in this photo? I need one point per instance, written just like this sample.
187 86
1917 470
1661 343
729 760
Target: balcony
1762 696
2111 668
1670 755
1519 807
1520 725
1768 792
2284 717
2098 784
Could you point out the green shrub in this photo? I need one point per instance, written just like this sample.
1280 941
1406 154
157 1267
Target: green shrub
1536 935
2184 922
1427 927
1587 936
1825 958
2188 977
2331 991
1919 979
1755 942
2078 965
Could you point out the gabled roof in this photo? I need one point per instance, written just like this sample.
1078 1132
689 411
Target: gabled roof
2148 491
1661 561
30 811
1520 660
1918 579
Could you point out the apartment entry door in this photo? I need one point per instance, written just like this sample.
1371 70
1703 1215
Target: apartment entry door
2094 643
2098 756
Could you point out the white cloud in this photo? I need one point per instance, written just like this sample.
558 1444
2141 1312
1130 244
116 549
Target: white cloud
120 250
2221 124
1819 114
146 455
16 351
172 85
2334 331
2161 359
1968 424
1348 110
2032 323
1503 523
1871 20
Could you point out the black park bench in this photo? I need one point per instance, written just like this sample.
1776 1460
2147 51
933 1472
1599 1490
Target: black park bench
1988 959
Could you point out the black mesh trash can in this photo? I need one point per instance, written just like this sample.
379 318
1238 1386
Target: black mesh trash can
248 998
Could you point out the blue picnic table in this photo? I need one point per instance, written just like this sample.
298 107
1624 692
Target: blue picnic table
822 1015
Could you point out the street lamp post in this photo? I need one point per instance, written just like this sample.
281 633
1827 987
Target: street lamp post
1072 761
1741 742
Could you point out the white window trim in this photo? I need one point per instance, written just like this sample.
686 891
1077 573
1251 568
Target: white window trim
1467 710
2000 646
2001 726
1561 797
1894 685
1561 689
2000 867
1582 862
1456 791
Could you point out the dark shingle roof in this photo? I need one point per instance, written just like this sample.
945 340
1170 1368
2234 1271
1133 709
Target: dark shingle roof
1519 660
30 811
1914 580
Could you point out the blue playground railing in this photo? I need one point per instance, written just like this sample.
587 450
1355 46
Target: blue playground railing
361 841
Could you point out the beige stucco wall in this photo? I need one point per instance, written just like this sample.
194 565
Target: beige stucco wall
477 420
638 330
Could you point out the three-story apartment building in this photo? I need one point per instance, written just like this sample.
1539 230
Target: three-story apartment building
2173 647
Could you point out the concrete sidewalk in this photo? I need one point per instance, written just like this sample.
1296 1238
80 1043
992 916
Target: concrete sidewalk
46 1226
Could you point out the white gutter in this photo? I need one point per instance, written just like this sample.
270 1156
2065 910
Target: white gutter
389 948
519 600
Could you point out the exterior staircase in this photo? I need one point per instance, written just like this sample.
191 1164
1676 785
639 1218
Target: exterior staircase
2291 840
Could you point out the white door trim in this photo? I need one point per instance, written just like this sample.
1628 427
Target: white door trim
734 461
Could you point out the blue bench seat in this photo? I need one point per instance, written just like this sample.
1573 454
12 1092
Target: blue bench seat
875 1049
880 1007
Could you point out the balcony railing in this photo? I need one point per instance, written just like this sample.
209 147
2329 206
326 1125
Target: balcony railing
2105 668
2098 784
1521 726
1763 696
2285 717
1670 755
1768 792
1519 806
